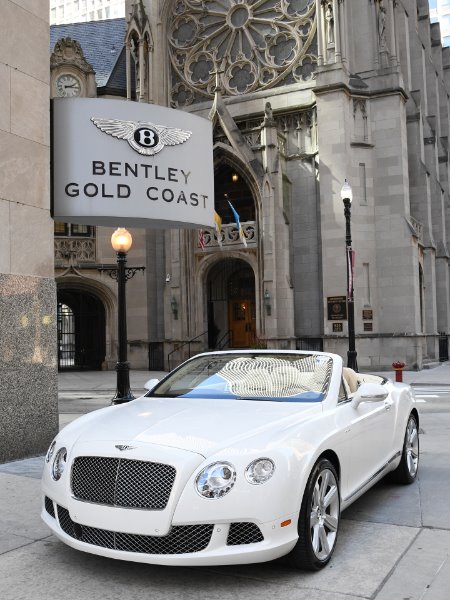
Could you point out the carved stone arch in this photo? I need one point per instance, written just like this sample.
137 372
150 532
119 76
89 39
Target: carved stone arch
224 154
205 268
106 297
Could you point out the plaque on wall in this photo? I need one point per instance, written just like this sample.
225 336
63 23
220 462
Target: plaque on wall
337 328
337 308
368 326
367 314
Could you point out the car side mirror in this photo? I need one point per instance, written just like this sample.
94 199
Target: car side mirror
150 384
369 392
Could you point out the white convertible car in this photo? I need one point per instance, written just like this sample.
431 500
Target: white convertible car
234 457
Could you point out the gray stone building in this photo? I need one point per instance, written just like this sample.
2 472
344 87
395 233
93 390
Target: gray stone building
28 369
303 94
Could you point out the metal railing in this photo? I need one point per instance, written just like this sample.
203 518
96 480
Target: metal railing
179 347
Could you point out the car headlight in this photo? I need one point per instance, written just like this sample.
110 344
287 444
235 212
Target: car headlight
259 471
50 451
216 480
59 464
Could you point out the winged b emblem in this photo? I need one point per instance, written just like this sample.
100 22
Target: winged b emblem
146 138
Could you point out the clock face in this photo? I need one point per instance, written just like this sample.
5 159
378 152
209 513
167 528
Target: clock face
68 86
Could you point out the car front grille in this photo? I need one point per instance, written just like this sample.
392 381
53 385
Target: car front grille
49 507
244 533
181 539
122 482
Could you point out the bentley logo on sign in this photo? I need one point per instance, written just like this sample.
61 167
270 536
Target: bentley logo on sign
145 138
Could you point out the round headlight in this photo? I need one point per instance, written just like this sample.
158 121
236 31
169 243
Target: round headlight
59 464
50 451
216 480
260 471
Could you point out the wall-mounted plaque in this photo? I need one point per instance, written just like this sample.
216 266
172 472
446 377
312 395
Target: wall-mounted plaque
337 328
368 326
337 308
367 314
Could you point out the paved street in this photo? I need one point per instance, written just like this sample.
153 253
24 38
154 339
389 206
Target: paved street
394 542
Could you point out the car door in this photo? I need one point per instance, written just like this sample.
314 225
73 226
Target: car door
369 430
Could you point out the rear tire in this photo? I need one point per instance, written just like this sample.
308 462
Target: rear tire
406 472
319 518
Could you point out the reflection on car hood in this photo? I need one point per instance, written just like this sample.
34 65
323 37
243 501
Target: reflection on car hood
201 426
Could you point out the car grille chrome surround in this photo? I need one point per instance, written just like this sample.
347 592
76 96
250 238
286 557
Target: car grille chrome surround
182 539
122 482
244 533
49 507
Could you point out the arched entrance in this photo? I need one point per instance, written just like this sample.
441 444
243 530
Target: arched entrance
81 330
231 305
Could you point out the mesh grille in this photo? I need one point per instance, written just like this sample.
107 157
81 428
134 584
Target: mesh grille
181 539
244 533
122 482
49 506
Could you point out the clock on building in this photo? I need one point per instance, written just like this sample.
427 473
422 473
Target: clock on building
68 86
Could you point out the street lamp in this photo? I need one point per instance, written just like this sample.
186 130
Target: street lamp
347 196
121 241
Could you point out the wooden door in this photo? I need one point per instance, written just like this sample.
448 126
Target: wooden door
242 322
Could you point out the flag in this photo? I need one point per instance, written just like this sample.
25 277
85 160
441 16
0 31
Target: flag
239 226
350 270
218 226
201 239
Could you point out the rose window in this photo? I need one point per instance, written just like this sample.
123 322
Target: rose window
251 45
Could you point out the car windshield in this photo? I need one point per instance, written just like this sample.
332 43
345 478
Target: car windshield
270 377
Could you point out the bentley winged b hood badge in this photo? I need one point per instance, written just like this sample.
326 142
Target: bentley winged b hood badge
123 447
146 138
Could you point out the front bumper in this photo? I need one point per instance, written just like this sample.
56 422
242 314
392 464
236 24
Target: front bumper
199 544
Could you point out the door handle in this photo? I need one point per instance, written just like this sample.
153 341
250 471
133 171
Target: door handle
388 405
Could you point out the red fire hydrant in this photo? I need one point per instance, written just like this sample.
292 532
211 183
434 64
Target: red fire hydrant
398 368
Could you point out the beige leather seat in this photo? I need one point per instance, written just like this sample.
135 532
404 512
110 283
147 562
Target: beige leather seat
351 379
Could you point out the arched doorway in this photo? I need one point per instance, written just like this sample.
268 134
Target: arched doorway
231 305
81 330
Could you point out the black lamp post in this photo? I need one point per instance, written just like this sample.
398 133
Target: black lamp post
347 196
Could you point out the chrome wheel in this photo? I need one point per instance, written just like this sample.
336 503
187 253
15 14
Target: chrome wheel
324 517
406 472
412 447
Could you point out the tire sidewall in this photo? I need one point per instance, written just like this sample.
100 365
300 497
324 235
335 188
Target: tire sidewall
304 529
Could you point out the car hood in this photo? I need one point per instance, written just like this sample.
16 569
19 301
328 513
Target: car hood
200 426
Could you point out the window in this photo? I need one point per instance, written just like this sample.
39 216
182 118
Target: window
69 230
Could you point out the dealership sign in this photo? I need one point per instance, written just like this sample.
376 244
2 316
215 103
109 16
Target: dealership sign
128 163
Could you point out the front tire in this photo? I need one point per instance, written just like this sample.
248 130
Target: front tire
406 472
319 518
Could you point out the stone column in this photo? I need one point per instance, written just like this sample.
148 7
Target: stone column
128 67
337 32
319 21
141 71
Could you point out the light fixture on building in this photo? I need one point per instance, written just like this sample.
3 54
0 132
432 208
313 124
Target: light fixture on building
174 307
347 197
267 302
234 177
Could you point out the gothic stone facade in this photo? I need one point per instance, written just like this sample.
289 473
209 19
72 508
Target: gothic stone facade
303 94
